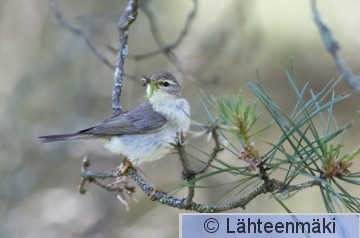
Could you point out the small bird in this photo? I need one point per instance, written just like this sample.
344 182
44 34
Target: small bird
145 132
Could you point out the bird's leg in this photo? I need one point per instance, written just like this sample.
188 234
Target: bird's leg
126 164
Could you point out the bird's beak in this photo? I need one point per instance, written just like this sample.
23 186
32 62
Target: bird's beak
146 81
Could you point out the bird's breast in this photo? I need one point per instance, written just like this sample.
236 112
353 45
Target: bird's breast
183 115
176 111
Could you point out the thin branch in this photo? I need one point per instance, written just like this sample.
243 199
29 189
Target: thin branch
120 185
189 173
169 53
157 36
126 19
179 146
84 166
271 186
177 42
214 153
76 31
333 48
298 187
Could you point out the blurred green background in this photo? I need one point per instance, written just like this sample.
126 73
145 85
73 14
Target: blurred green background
52 83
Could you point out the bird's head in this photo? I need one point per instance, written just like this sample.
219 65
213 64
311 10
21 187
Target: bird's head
161 84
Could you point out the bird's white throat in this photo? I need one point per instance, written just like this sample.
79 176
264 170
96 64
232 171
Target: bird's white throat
174 108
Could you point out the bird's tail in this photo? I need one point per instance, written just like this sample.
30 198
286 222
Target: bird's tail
63 137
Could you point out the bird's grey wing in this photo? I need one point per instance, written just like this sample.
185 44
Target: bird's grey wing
139 120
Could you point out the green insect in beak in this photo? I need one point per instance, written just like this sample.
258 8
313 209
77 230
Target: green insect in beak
152 84
152 89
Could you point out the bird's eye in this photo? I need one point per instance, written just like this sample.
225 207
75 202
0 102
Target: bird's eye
165 84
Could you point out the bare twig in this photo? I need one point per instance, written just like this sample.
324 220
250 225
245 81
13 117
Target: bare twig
271 186
179 146
333 47
190 173
64 23
126 19
187 173
263 170
298 187
78 32
168 51
84 166
216 150
120 185
178 41
90 177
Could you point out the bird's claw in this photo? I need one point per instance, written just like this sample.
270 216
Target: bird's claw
126 165
154 191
